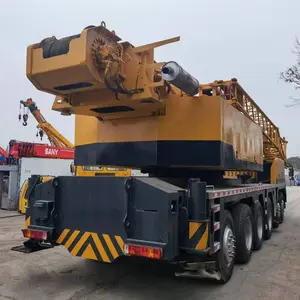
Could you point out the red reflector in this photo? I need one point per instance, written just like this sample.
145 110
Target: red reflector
35 234
150 252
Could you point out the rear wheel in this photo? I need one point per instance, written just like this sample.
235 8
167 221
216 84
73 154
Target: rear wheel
269 220
226 255
243 223
282 207
258 226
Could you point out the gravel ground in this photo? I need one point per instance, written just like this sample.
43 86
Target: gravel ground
273 272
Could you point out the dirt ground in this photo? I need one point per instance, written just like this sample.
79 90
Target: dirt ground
273 272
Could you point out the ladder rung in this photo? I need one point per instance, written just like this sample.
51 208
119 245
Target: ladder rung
217 247
216 226
216 208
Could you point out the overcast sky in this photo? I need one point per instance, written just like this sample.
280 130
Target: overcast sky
249 40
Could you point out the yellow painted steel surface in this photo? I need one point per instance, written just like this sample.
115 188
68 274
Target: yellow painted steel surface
277 171
194 119
100 170
27 221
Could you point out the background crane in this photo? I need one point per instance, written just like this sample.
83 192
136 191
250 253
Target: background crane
58 140
55 138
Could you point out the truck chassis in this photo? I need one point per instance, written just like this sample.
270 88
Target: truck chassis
202 229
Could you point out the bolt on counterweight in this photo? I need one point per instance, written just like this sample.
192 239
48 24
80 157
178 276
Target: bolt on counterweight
176 75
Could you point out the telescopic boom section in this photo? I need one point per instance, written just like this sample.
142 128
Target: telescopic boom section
231 90
55 138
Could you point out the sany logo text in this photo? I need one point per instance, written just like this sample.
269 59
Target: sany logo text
49 151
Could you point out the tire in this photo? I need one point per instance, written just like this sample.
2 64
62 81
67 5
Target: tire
225 258
243 223
258 226
269 220
282 207
276 224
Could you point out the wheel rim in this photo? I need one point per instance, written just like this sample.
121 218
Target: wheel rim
248 233
228 245
259 226
270 220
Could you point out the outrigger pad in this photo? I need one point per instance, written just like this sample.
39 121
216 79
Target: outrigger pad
22 249
29 247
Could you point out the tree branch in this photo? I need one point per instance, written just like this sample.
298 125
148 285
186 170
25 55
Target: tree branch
296 101
292 74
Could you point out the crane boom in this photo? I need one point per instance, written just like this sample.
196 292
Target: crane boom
274 145
3 152
55 138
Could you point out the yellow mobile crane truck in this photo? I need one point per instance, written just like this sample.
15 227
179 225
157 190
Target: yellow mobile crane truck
133 111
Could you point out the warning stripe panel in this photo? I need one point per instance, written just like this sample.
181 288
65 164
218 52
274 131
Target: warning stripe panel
100 248
89 250
110 246
120 243
89 253
62 236
193 227
198 235
91 245
203 241
80 243
71 239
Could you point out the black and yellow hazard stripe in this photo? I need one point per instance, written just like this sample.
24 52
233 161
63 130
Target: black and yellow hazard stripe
198 235
90 245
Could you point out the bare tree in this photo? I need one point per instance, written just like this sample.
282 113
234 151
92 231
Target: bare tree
292 74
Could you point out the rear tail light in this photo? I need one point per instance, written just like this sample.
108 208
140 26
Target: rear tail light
35 234
145 251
